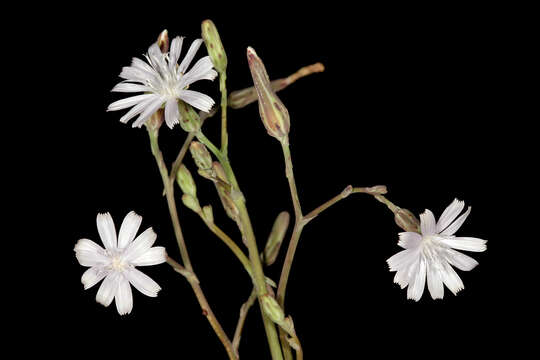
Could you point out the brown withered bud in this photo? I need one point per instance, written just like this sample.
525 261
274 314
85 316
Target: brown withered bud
224 191
163 41
201 156
273 113
406 220
275 239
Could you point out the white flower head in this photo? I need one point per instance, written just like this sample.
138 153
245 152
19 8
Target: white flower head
163 82
429 255
116 263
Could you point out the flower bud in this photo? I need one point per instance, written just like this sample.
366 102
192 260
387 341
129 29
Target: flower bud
272 309
189 119
185 181
224 191
163 41
214 46
273 113
201 156
208 214
191 202
275 239
406 220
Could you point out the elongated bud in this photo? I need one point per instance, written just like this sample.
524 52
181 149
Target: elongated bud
214 46
273 113
406 220
185 181
189 119
240 98
224 191
163 41
208 213
272 309
191 202
275 239
201 156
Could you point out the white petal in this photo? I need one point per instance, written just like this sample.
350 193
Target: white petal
153 256
128 102
174 53
129 87
92 276
416 289
89 253
427 223
148 111
172 115
409 239
434 280
450 230
201 70
129 229
449 214
465 243
140 107
123 297
461 261
196 99
106 230
402 259
450 278
142 243
189 56
142 282
107 290
402 276
134 74
157 59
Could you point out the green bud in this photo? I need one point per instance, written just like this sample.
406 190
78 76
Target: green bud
189 119
272 309
214 46
273 113
191 202
200 154
208 214
275 239
163 41
406 220
185 181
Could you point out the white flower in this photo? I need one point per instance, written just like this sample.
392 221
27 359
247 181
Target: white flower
163 81
116 263
430 254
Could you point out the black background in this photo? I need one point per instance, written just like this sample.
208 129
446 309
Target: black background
411 98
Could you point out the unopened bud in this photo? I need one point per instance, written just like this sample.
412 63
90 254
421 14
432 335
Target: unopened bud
273 113
224 191
272 309
163 41
275 239
201 156
208 214
189 119
185 181
214 46
406 220
191 203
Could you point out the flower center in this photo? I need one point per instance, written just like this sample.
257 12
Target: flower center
118 263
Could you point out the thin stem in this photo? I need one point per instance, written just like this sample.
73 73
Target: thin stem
249 236
244 309
169 192
224 134
388 203
180 158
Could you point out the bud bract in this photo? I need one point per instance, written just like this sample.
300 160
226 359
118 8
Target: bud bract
163 41
185 181
201 156
273 113
406 220
272 309
191 202
189 119
214 46
208 214
275 239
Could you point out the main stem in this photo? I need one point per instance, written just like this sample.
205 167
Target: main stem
169 192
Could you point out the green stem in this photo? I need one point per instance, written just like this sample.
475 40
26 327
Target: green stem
169 192
247 232
224 134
